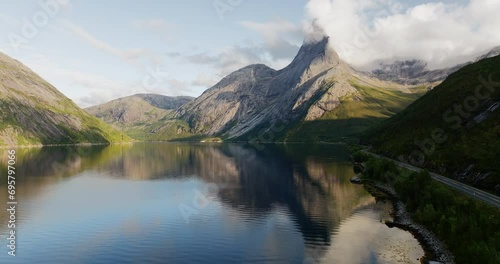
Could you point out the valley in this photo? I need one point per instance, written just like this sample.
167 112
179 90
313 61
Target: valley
278 138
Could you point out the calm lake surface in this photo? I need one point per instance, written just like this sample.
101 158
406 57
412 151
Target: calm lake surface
196 203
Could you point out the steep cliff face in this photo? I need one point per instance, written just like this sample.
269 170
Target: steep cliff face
34 112
231 100
257 99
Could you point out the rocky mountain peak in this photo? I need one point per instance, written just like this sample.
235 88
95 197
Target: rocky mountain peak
314 57
255 94
315 52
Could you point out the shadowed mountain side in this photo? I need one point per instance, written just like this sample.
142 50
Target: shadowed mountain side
453 130
330 130
60 162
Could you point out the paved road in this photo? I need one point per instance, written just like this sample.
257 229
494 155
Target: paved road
469 190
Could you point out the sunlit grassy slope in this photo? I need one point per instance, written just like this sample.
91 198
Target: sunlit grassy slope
354 115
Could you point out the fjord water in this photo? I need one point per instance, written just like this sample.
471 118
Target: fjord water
197 203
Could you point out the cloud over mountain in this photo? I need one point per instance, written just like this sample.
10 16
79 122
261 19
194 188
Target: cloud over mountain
442 33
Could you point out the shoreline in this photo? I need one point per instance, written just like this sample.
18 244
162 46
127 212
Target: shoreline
158 141
434 249
66 145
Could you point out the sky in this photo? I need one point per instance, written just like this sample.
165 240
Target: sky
95 51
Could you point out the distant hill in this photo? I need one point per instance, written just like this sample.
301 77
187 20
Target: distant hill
416 72
33 112
412 72
453 129
144 116
165 102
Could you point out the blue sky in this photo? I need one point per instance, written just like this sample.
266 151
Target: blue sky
94 51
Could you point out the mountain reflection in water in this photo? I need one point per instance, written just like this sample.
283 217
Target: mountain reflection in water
199 203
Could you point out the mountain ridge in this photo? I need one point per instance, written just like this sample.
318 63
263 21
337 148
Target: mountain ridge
316 91
415 71
267 95
144 116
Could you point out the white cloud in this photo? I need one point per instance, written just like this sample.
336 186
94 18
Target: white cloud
277 49
128 55
280 37
159 26
155 24
442 34
88 89
272 30
100 89
97 89
204 80
230 59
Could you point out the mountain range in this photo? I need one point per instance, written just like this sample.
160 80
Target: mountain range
416 71
316 98
257 101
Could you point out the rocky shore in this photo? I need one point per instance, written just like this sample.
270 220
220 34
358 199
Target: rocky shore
436 251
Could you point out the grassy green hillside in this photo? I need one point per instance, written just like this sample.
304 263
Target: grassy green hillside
33 112
165 129
43 125
439 131
355 114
